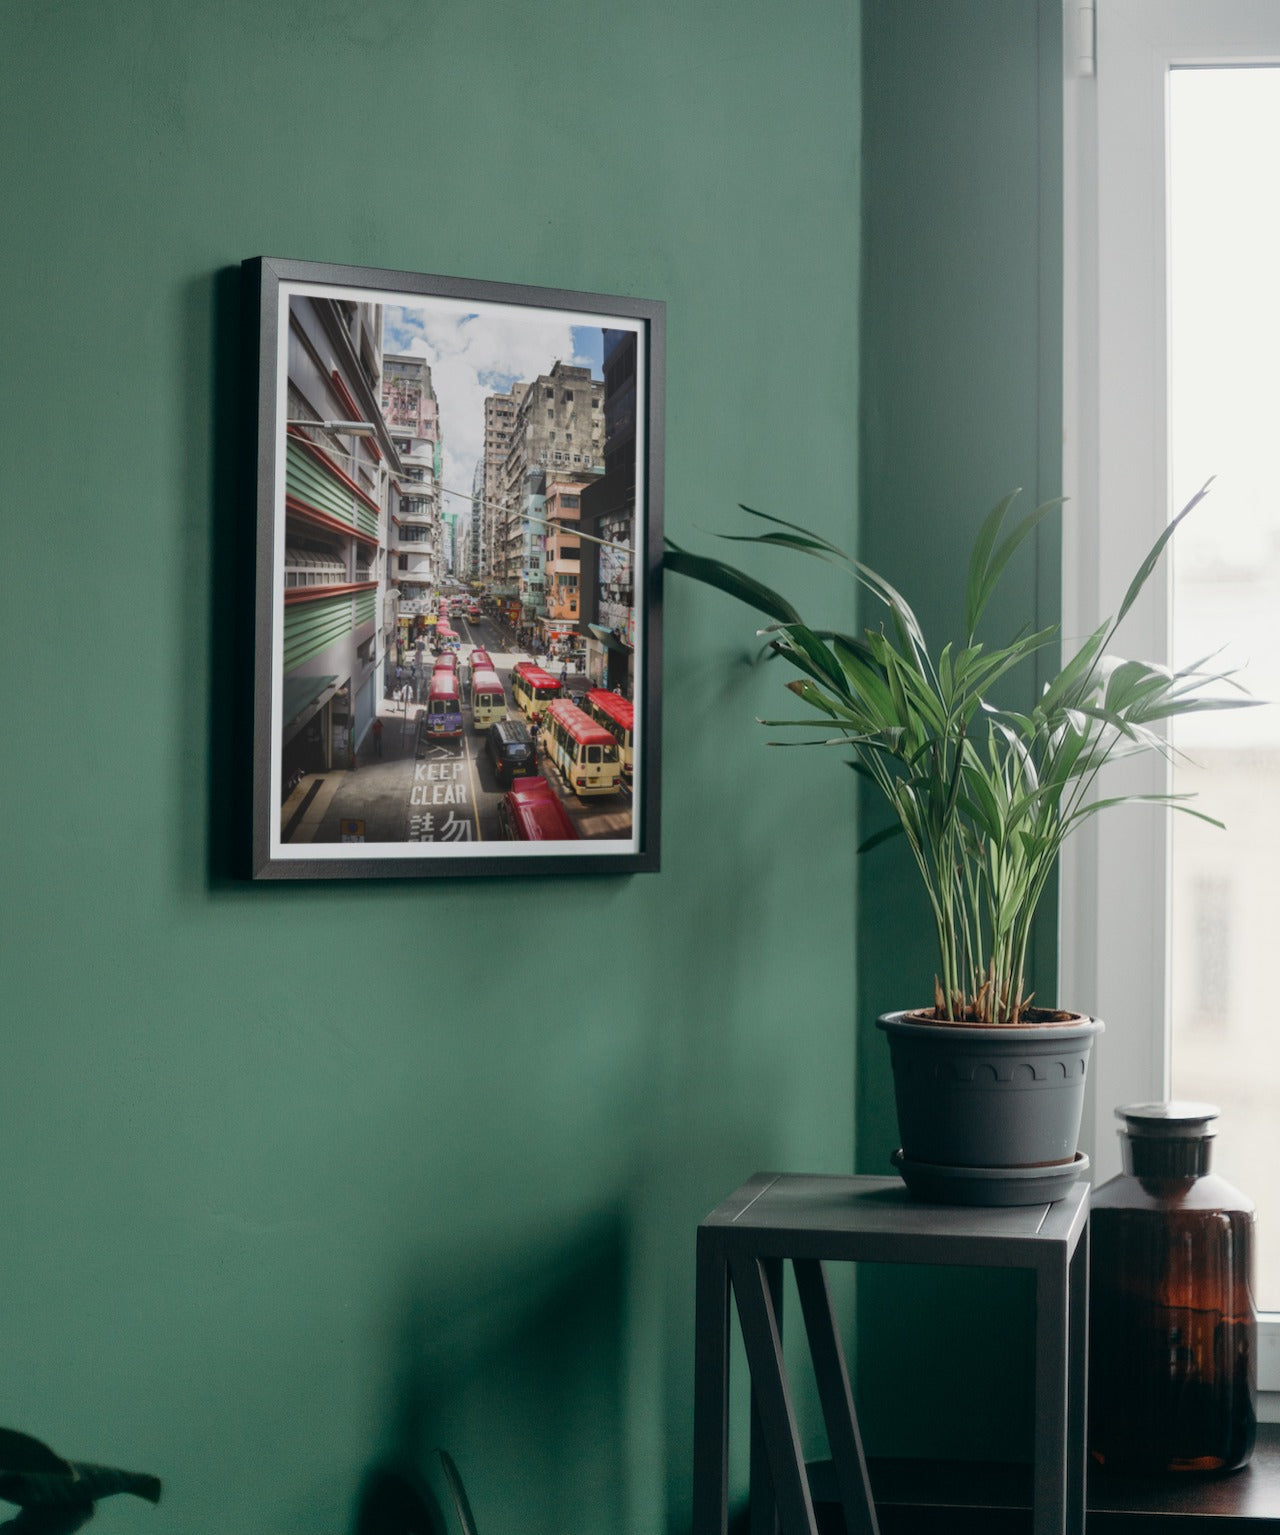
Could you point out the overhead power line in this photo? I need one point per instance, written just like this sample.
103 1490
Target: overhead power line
561 526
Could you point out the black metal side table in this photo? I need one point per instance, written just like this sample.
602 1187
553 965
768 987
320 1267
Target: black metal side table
810 1220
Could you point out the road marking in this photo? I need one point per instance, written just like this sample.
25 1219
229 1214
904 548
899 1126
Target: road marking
471 778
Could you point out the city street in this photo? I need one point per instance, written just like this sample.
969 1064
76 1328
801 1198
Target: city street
436 791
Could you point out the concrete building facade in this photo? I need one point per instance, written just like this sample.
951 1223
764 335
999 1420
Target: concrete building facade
477 568
558 430
337 487
499 428
413 417
608 599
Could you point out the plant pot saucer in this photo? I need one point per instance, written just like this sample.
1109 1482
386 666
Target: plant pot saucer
938 1184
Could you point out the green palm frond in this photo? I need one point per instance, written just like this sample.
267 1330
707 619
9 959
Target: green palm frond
983 795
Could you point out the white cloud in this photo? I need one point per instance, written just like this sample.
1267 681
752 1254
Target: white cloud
474 351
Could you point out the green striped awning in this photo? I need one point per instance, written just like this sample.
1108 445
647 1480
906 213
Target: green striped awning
609 640
304 695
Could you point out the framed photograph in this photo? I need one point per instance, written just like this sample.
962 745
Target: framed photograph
458 649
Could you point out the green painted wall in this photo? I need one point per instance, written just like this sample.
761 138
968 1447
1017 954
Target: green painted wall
271 1205
960 403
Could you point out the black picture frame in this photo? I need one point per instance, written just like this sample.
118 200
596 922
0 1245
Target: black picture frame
554 546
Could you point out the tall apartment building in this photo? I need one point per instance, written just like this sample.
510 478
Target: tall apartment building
563 558
450 546
337 488
499 428
608 599
559 430
412 413
477 567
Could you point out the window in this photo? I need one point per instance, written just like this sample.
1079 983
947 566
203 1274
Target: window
1224 336
1173 325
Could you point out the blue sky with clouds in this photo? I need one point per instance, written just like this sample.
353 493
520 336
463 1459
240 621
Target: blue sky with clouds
478 350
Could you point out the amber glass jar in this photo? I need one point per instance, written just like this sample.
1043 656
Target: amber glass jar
1172 1327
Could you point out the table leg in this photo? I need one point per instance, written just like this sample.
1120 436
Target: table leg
711 1390
1078 1367
1049 1464
769 1386
832 1375
764 1503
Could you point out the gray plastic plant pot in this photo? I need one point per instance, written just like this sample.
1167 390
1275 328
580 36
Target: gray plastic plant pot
990 1098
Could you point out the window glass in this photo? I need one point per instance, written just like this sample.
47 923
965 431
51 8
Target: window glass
1224 342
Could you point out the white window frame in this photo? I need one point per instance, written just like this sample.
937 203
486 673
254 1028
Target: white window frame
1114 910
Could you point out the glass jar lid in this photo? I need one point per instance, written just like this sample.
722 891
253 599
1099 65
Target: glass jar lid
1179 1119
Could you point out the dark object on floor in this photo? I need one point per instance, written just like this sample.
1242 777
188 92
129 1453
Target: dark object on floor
57 1496
397 1500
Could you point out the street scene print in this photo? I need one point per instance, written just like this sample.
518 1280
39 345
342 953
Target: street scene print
457 646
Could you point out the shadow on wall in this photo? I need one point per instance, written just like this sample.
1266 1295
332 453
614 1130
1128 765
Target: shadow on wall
517 1368
225 566
57 1496
397 1500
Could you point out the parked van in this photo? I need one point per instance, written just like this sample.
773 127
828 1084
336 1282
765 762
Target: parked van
510 749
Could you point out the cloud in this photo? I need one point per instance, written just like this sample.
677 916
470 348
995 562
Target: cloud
475 352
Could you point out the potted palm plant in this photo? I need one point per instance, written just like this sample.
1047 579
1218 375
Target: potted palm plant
989 1087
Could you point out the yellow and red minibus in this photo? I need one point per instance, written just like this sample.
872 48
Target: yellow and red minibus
617 715
444 711
488 701
533 689
585 752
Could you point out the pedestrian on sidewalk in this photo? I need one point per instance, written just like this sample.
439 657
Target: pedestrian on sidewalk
377 736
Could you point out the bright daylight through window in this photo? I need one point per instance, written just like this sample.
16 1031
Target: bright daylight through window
1224 401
